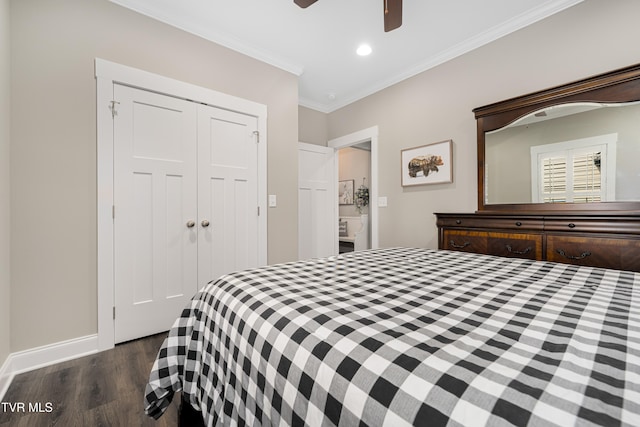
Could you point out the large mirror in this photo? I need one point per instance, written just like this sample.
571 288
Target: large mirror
574 147
569 153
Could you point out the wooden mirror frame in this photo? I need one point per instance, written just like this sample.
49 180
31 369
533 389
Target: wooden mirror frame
617 86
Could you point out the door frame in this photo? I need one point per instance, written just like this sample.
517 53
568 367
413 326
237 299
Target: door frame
355 138
108 73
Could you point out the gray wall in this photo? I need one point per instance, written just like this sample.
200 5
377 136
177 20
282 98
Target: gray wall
53 147
312 126
5 189
590 38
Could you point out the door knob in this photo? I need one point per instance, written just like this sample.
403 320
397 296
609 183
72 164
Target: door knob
191 224
205 223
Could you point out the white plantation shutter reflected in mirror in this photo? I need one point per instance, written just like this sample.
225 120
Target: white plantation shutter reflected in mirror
554 179
587 179
570 172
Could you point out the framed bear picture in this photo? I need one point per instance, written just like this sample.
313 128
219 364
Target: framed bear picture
427 164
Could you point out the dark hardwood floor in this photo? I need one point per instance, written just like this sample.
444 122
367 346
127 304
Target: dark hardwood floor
104 389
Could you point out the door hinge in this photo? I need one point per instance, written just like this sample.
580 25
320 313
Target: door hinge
114 312
257 134
258 210
113 211
112 107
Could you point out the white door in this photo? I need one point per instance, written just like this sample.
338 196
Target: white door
186 204
227 192
317 201
155 205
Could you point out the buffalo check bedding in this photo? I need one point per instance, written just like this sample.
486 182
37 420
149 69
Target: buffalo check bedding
402 336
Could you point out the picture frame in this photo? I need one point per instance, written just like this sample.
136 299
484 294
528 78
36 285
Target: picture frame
345 192
427 164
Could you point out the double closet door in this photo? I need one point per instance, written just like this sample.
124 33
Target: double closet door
185 204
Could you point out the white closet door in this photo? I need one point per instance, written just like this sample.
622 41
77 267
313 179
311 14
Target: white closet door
227 192
317 201
155 198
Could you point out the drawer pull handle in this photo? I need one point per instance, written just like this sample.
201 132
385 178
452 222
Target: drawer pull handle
518 224
462 246
526 251
572 225
458 221
581 256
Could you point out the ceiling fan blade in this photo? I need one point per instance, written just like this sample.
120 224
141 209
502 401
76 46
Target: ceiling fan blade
304 3
392 14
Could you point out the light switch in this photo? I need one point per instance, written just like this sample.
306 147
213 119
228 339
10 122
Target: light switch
273 202
382 202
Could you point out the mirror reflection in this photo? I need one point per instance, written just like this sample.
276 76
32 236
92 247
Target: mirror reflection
570 153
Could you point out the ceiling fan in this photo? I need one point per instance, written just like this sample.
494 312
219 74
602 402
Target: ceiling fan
392 12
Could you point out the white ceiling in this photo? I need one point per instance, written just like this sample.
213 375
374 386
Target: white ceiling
318 43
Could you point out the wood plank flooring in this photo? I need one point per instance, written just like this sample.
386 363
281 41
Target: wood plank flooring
104 389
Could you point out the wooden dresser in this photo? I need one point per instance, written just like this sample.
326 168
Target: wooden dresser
537 207
610 241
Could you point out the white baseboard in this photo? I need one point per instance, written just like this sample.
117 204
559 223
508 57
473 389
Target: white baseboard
39 357
6 376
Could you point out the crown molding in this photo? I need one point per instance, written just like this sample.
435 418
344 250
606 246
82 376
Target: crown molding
546 9
223 39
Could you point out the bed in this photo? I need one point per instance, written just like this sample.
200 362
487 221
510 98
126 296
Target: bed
407 336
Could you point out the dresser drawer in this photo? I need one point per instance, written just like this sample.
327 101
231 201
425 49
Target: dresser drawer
515 245
465 241
487 222
602 225
617 253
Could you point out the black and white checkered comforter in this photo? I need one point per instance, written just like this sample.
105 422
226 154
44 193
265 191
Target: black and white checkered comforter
400 337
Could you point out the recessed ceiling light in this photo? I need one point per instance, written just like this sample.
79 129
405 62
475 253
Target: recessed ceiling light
364 50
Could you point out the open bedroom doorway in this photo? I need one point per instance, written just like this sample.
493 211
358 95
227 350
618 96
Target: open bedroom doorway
354 181
354 148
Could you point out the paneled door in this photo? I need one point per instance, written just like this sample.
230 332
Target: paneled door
185 204
155 210
317 202
227 192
